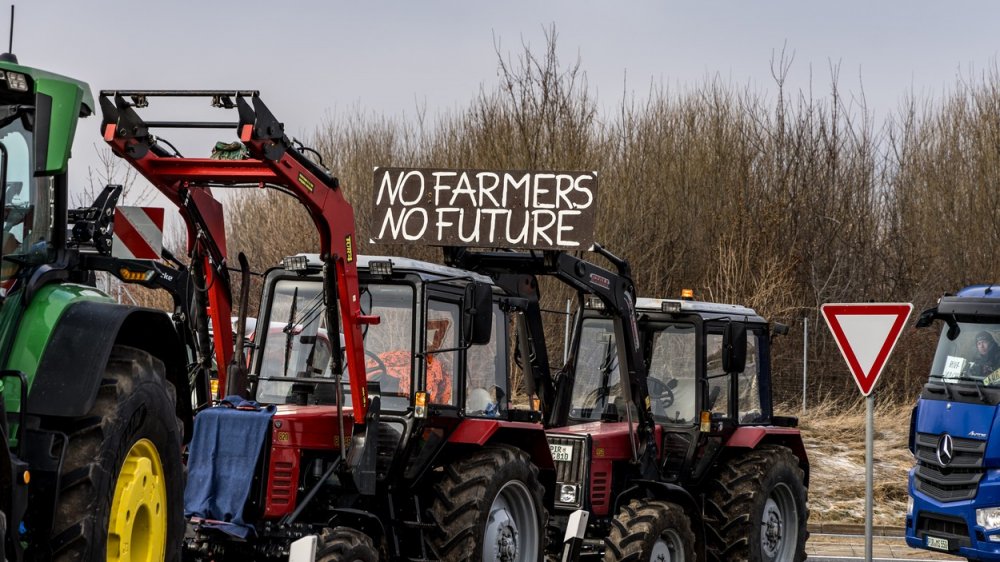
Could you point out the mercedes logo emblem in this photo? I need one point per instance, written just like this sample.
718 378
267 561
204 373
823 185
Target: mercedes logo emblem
945 450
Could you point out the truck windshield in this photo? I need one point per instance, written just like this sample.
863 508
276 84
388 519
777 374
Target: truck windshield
27 212
297 346
972 357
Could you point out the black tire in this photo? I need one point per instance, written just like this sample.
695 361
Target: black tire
495 479
131 425
650 530
756 508
344 544
3 537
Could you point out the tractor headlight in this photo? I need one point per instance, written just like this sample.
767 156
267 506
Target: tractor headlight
909 506
17 81
988 518
567 493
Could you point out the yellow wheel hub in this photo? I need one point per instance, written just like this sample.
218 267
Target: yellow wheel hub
137 528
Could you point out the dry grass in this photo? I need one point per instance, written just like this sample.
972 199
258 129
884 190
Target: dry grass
834 433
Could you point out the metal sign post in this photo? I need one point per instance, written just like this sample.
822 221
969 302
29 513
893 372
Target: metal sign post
866 334
869 472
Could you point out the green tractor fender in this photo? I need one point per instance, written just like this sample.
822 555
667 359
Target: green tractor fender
72 366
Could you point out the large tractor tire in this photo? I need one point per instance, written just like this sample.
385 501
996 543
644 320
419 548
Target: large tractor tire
122 481
489 507
343 544
756 508
650 531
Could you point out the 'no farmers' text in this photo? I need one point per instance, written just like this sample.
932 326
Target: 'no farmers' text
484 208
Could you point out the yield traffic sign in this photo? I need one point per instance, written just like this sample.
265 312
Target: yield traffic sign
866 334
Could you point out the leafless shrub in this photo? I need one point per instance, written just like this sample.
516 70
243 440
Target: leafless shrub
783 204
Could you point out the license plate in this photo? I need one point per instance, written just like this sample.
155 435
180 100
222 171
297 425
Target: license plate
561 453
939 544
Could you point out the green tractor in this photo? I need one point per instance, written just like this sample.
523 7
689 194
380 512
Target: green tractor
92 466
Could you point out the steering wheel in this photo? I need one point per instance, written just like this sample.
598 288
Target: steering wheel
375 372
662 391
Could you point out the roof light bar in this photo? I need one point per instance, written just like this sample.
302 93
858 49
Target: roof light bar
296 263
670 306
380 267
594 302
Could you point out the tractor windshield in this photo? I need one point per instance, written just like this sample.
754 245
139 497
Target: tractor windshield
973 357
597 389
297 347
28 201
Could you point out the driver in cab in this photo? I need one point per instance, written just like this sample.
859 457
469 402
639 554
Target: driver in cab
986 363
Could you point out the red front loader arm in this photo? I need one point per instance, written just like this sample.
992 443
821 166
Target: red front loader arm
275 163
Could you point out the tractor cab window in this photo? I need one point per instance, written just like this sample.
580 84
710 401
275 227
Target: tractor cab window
718 382
298 346
672 381
296 342
748 382
441 334
486 392
597 392
519 355
27 212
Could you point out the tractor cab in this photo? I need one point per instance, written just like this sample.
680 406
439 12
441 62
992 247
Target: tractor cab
693 353
433 347
709 374
38 117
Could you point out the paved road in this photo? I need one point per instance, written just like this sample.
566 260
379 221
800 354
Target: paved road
826 547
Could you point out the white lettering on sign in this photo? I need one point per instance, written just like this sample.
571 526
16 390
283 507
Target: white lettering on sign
546 210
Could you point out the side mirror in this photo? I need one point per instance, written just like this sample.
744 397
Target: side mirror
779 329
926 318
477 325
734 347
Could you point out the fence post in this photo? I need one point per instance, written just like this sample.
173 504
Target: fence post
805 360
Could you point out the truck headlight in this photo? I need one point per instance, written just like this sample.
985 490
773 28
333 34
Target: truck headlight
909 506
989 518
567 493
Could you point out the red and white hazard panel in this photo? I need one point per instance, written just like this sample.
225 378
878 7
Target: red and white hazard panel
138 233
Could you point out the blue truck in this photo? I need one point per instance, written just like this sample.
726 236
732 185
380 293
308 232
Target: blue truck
954 486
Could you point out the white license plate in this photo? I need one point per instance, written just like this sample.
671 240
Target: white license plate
939 544
561 453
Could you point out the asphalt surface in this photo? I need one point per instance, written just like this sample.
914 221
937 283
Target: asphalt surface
847 543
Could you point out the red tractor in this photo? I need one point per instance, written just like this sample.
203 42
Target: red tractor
661 423
419 453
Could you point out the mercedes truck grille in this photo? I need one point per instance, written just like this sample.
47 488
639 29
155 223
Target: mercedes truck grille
948 469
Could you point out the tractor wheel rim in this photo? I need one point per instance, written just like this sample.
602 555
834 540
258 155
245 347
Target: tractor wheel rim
668 548
779 525
511 533
137 527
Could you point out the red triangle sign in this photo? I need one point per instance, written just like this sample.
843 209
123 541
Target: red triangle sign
866 334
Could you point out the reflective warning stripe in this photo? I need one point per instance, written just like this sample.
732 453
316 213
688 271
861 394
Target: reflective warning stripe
138 233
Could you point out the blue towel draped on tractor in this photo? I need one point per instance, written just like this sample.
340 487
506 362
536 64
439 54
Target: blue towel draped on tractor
222 457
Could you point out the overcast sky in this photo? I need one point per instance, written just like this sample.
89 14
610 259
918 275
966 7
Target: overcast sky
311 59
